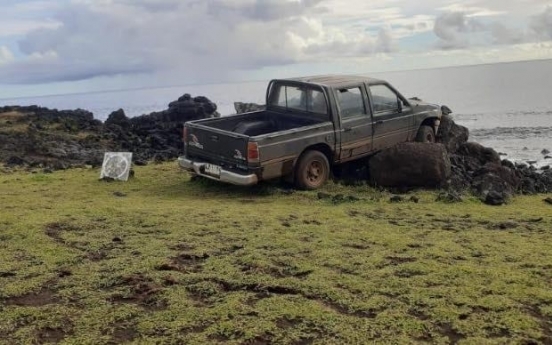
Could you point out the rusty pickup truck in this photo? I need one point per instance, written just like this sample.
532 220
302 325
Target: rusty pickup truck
309 125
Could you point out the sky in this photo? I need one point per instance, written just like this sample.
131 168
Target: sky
65 46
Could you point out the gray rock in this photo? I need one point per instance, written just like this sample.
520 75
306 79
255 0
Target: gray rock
483 154
495 198
451 135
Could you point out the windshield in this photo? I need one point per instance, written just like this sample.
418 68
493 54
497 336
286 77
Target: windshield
301 98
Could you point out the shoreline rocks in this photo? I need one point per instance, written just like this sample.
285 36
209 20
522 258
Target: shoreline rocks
39 137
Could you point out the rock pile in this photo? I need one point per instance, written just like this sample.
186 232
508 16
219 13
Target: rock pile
48 138
457 165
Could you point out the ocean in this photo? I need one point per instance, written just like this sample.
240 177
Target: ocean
506 106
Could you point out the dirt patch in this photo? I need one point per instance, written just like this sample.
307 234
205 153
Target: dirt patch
418 314
408 273
229 286
312 222
54 230
50 335
277 270
265 339
398 260
545 323
266 290
167 267
64 272
254 299
142 291
45 296
183 247
97 255
342 309
191 263
447 330
122 334
359 246
503 226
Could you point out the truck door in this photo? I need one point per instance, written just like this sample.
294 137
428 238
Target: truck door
356 124
392 117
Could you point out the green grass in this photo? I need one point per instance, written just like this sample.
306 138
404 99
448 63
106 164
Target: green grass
173 261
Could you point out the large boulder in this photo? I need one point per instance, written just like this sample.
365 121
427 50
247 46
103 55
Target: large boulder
187 108
451 135
411 165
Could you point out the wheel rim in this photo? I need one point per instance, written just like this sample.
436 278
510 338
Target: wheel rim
315 173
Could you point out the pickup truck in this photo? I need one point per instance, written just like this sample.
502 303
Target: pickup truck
309 125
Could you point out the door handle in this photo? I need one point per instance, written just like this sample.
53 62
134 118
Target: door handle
380 122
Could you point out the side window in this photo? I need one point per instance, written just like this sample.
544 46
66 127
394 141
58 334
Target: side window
384 99
351 102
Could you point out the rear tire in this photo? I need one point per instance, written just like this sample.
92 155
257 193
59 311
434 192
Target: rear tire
426 134
312 171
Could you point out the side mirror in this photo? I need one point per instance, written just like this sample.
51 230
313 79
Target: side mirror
399 105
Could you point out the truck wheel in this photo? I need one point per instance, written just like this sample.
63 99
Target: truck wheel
425 135
313 170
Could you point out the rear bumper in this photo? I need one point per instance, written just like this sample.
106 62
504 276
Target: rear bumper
225 175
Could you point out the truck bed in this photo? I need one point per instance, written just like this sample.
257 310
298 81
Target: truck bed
262 122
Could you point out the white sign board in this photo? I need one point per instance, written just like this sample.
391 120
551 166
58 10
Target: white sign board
116 165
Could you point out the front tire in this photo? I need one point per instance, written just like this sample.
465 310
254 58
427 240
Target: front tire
426 134
313 170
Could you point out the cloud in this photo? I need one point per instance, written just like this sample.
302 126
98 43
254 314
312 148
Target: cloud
21 27
454 29
541 24
5 55
459 30
207 40
196 39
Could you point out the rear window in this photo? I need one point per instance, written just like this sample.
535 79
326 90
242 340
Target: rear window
301 98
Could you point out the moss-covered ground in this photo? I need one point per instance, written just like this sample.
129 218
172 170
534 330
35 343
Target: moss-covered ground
165 260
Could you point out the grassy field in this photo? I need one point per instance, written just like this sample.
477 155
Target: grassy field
162 259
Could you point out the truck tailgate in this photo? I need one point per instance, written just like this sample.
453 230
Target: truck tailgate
215 145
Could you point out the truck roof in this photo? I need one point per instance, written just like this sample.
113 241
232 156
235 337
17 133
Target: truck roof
335 80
